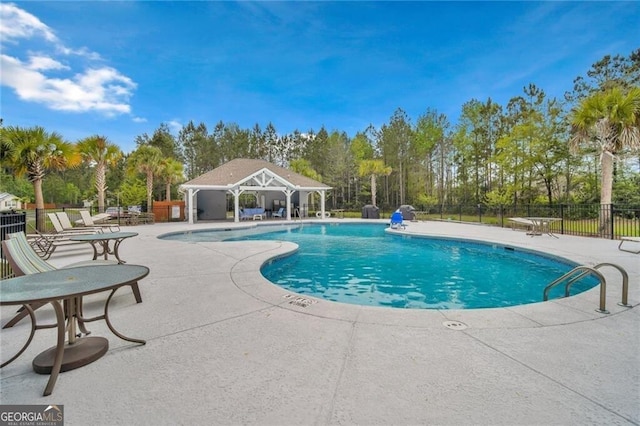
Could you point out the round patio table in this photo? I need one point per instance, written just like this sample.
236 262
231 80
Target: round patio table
68 285
100 243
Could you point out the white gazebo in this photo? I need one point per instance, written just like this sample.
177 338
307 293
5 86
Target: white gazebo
207 192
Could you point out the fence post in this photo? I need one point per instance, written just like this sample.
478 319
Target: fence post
611 209
39 224
561 219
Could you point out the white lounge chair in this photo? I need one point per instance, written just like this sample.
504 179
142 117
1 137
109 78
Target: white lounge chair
88 220
629 240
67 226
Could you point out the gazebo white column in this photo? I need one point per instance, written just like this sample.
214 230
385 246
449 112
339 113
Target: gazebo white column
190 197
288 193
236 203
323 216
190 206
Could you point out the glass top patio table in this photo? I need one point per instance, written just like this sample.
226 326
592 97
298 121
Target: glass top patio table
102 240
69 284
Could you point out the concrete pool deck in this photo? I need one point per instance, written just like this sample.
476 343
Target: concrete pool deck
225 346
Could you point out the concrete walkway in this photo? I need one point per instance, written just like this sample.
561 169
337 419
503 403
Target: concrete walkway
225 346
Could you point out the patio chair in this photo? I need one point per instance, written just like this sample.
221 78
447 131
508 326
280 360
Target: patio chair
24 261
60 230
396 220
280 213
44 244
87 220
65 222
101 217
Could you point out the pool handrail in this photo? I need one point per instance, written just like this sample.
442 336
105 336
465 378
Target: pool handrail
587 270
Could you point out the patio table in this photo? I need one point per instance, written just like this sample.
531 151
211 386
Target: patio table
542 225
100 243
68 285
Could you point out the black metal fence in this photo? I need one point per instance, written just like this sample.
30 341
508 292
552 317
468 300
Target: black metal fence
9 223
593 220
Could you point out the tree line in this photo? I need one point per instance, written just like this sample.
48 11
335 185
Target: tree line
535 149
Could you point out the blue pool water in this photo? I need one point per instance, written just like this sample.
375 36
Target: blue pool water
361 264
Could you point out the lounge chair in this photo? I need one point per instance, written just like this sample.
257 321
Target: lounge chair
24 261
60 230
627 240
280 213
67 226
39 264
101 217
396 221
87 220
44 244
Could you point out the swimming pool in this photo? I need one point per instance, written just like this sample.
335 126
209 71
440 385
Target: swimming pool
362 264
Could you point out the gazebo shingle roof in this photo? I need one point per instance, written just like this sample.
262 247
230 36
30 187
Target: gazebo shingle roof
238 169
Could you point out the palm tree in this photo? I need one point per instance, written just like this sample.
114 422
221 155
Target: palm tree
171 171
104 154
373 168
146 160
611 120
34 152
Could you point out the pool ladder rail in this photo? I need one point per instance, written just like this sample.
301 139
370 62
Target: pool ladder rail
580 272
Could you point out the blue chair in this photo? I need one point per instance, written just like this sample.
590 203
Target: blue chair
280 213
396 221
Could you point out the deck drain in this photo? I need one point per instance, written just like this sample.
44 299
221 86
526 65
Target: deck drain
455 325
303 302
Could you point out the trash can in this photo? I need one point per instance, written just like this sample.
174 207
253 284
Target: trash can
408 212
370 211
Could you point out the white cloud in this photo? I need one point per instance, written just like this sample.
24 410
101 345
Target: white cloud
103 90
175 126
96 87
83 51
43 63
17 23
139 120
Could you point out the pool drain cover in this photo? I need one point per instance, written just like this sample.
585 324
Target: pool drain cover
455 325
303 302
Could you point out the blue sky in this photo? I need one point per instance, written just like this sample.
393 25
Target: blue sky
119 69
